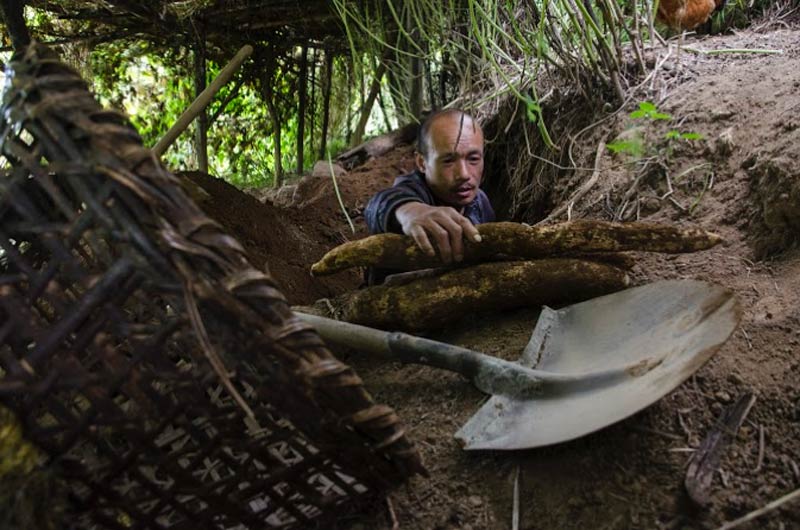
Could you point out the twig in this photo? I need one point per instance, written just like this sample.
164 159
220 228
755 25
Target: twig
667 435
392 515
705 461
677 204
339 195
580 192
777 503
515 507
795 469
760 448
723 476
670 189
747 338
684 428
732 50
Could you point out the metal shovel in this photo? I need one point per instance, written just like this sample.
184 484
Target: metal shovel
597 362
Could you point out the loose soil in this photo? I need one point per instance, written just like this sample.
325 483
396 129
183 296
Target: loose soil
629 475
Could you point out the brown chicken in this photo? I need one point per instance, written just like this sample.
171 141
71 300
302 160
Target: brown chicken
687 14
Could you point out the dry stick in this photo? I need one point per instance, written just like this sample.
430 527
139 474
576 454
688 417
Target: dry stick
795 469
705 461
760 448
777 503
392 515
202 101
731 50
339 195
580 192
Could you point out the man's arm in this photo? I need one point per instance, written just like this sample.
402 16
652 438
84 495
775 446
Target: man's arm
406 209
380 211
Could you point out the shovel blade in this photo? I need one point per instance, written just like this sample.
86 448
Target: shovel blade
673 326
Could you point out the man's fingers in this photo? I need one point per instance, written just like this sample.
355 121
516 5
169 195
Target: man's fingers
442 238
470 232
455 234
422 241
437 228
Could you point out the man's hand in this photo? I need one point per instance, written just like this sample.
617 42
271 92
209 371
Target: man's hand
441 224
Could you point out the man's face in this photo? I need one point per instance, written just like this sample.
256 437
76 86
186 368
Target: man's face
453 166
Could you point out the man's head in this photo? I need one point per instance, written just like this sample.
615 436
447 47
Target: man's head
450 154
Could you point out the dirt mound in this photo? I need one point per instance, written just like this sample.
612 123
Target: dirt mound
281 241
288 239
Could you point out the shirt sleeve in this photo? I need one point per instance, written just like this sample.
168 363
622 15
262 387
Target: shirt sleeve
379 212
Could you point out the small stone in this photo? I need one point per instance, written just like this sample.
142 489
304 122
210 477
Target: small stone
724 143
721 114
736 379
722 396
322 169
475 501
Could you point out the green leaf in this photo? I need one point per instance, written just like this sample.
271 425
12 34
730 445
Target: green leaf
649 110
691 136
633 147
673 134
647 107
533 110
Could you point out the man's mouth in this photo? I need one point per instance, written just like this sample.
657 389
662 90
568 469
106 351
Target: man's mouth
464 191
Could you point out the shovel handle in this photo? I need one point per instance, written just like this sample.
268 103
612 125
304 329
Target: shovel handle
397 346
489 374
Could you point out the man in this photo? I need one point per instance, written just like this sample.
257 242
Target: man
439 203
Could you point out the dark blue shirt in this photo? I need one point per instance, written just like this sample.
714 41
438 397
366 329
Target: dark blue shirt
380 217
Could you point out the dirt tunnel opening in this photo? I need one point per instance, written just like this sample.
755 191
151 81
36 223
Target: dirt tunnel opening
523 176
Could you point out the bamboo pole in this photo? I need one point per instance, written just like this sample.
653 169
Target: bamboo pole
301 110
375 88
202 101
323 147
313 102
201 127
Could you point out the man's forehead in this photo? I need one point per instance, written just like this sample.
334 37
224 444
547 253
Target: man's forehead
446 130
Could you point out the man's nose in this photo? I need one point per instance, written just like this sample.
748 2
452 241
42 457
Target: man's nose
461 169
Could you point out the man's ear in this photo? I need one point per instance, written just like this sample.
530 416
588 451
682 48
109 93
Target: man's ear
420 161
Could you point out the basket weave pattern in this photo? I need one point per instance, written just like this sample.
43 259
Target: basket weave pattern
163 376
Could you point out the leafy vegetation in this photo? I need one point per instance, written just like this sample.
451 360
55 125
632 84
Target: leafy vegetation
634 141
405 57
154 89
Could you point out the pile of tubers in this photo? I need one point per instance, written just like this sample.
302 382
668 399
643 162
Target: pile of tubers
513 265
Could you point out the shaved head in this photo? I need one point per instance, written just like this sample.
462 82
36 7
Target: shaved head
424 136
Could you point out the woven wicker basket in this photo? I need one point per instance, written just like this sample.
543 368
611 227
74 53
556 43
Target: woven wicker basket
164 379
